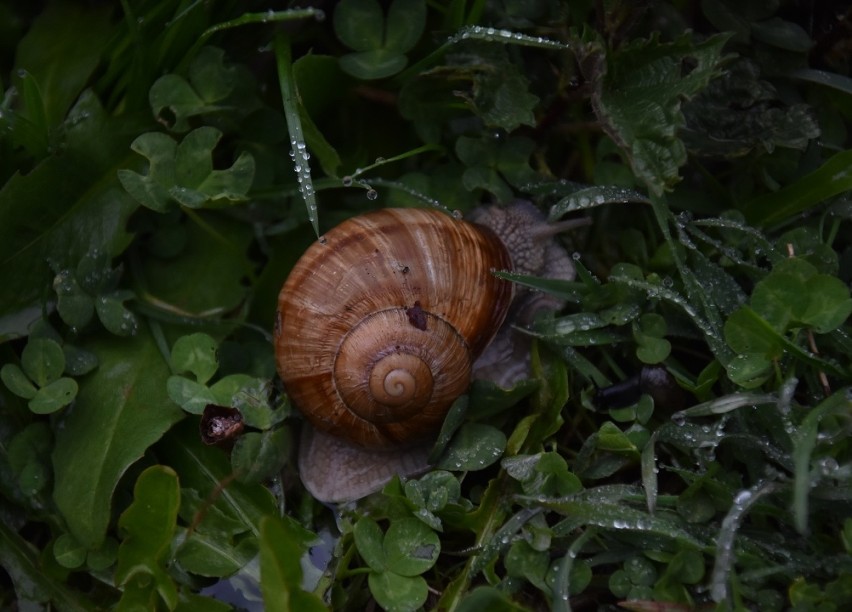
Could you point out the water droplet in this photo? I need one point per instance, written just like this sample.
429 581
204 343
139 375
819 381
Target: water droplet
380 160
323 240
679 419
457 214
576 256
372 194
347 181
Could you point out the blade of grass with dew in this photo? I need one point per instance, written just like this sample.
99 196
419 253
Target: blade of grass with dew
299 150
830 179
269 16
804 446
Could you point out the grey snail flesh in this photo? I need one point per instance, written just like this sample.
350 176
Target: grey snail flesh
333 470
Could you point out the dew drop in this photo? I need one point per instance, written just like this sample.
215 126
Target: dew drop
347 181
372 194
457 214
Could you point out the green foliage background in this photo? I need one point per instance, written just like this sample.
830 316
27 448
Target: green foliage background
164 163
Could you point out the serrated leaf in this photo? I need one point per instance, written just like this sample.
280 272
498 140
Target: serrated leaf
121 409
638 96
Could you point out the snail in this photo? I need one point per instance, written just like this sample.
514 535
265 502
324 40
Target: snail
382 324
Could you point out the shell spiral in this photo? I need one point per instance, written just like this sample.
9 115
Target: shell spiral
378 325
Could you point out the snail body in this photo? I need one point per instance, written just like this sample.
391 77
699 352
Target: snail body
382 324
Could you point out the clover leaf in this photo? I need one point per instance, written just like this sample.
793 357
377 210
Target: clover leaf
379 42
183 173
39 377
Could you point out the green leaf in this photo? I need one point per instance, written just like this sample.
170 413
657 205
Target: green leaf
189 395
43 361
54 396
55 34
368 538
214 258
373 64
17 382
395 592
280 569
359 24
638 93
68 551
474 447
831 178
33 587
114 315
405 23
74 305
65 207
213 554
121 409
148 525
196 353
410 547
258 456
184 173
205 469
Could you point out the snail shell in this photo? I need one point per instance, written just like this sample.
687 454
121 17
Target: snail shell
379 323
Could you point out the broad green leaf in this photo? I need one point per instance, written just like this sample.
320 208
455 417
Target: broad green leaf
280 569
147 527
121 409
65 207
55 33
214 258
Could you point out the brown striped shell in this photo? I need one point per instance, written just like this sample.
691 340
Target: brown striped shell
379 323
